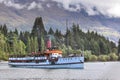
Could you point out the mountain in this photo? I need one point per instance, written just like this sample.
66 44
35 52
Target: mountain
21 14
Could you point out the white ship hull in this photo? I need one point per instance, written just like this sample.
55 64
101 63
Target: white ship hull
62 63
49 66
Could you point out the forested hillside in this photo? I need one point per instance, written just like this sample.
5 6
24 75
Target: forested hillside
93 45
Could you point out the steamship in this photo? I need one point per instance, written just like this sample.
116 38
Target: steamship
51 58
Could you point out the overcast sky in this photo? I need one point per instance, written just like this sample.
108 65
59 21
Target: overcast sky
109 8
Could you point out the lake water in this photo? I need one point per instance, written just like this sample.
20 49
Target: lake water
92 71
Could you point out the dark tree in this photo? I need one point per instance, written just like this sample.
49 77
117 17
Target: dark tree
5 30
119 47
51 31
67 35
38 27
38 31
21 37
16 31
58 33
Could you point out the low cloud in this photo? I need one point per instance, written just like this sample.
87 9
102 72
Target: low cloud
48 5
11 3
34 5
110 8
29 6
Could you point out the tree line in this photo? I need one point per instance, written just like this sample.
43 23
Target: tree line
75 41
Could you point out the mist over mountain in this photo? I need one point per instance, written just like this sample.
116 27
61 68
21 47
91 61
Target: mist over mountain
21 14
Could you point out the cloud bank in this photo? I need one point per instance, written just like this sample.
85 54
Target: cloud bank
109 8
28 6
11 3
34 5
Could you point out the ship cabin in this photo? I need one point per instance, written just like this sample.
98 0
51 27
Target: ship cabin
53 52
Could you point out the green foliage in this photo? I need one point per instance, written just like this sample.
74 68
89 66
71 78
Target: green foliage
95 48
29 46
113 57
97 44
64 49
119 47
16 31
3 56
4 30
103 58
2 42
3 48
42 44
119 57
21 48
93 58
17 46
32 44
87 55
103 47
76 51
107 57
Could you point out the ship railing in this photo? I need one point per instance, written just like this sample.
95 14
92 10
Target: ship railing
25 58
40 58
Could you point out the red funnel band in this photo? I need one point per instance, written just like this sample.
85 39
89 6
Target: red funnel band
48 44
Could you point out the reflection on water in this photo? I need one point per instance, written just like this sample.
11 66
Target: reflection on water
92 71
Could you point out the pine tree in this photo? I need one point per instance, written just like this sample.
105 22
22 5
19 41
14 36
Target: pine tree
119 47
28 45
42 44
57 33
34 44
3 47
21 36
15 45
67 35
16 31
2 43
51 31
38 27
21 48
5 30
69 38
103 47
38 30
0 27
25 36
